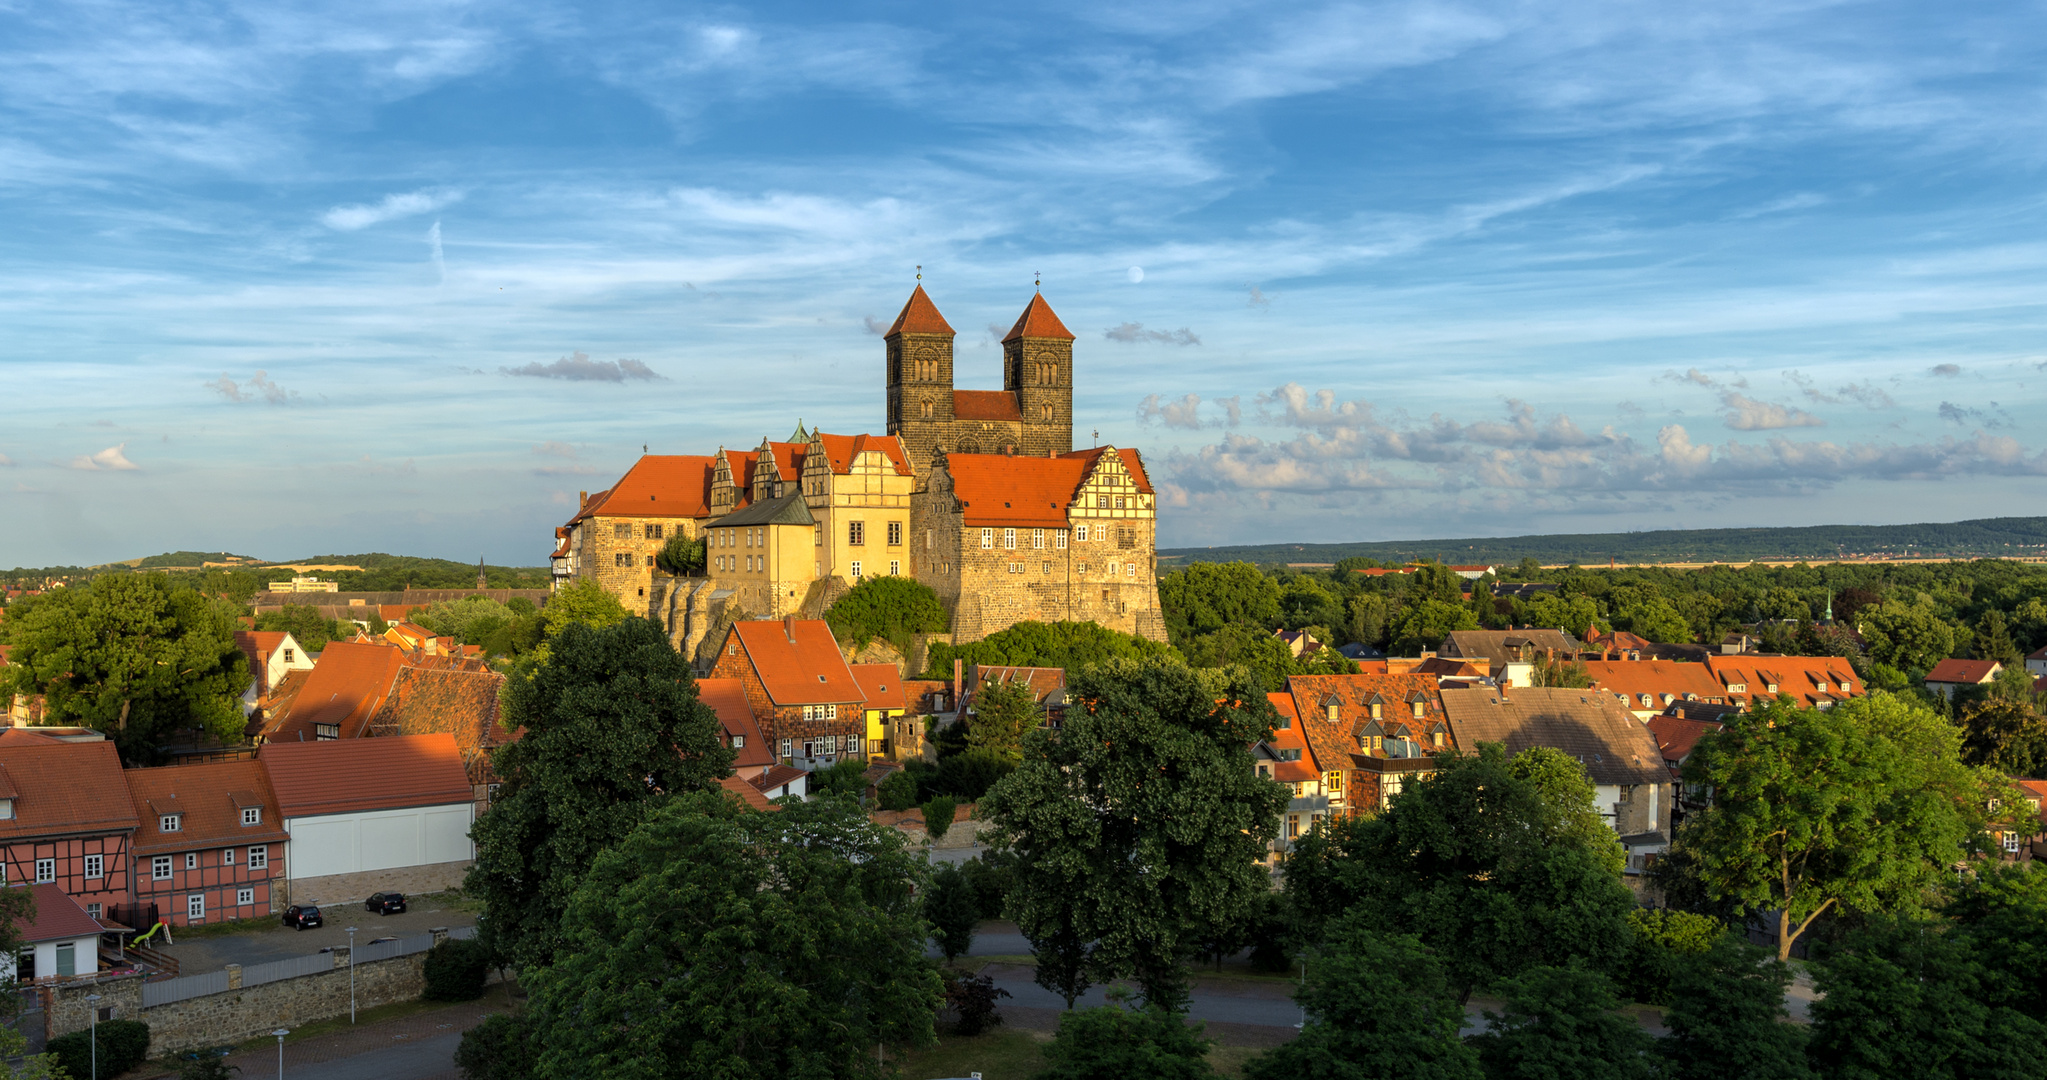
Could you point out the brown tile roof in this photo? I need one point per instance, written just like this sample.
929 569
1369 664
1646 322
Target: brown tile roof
1675 736
1353 695
1663 681
1501 646
919 316
57 917
806 671
1445 667
746 793
391 613
985 405
841 450
453 701
1043 681
1809 680
10 736
1969 672
365 774
727 698
1004 489
1613 746
344 689
881 685
1037 321
210 798
776 777
64 788
257 645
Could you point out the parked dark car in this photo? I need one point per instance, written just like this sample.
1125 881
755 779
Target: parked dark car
301 916
387 903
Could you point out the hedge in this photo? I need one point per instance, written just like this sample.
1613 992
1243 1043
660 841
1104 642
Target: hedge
124 1044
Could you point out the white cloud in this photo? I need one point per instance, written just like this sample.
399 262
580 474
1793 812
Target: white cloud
390 208
111 458
1131 332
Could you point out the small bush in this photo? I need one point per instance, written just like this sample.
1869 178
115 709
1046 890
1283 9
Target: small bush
455 970
938 817
500 1048
971 1000
1662 938
950 908
898 791
124 1044
208 1064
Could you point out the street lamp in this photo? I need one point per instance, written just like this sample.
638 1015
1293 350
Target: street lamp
280 1033
351 974
92 1002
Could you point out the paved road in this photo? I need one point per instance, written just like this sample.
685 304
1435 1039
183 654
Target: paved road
274 941
417 1047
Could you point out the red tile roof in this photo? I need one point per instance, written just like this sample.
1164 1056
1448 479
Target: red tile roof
210 798
1663 681
919 316
807 671
1037 321
64 788
746 793
840 450
345 689
727 698
58 917
1043 681
985 405
1333 743
1969 672
881 684
657 486
1676 736
1004 489
1808 679
391 613
365 774
456 701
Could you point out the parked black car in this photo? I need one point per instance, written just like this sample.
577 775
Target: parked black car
387 903
301 916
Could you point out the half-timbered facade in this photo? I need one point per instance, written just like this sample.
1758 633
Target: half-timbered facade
65 819
209 843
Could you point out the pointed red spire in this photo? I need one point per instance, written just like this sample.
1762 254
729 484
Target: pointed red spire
1037 320
920 316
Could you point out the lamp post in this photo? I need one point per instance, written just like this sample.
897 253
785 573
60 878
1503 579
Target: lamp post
351 974
92 1002
280 1033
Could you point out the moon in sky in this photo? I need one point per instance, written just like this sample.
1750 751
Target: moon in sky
1136 274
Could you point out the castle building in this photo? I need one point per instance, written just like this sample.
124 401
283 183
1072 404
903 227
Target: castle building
977 493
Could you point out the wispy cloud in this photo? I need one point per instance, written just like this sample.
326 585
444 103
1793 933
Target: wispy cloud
578 367
433 244
110 459
258 386
1185 412
1131 332
1745 413
390 208
1945 371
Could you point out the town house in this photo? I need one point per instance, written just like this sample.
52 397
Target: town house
208 843
66 819
803 693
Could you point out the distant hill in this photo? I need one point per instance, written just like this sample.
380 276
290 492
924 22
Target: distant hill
1987 537
379 572
188 560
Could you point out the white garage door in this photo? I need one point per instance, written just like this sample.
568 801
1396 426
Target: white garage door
378 840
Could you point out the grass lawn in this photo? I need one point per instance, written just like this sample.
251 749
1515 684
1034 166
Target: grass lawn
1013 1054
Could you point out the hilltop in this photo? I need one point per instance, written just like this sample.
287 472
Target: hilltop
372 572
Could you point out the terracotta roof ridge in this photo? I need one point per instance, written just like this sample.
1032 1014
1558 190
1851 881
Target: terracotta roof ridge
919 316
1037 321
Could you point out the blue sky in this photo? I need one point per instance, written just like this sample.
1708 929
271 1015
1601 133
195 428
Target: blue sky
290 279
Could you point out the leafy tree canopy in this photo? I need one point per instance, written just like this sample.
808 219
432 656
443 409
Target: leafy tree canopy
1068 645
306 625
1116 1043
1205 597
1003 713
1425 625
586 603
888 607
682 555
1726 1016
1913 637
1561 1022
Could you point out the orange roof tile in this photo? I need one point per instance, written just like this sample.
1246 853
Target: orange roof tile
1676 736
919 316
64 788
57 917
1133 463
344 689
456 701
840 450
1002 489
1037 321
1334 742
210 799
658 485
391 613
727 698
1664 681
806 671
365 774
746 793
1968 672
881 684
985 405
1808 679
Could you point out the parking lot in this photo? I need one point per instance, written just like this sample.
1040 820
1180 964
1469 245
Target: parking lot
272 940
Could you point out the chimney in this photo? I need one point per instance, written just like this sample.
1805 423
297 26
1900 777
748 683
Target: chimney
958 671
582 499
789 626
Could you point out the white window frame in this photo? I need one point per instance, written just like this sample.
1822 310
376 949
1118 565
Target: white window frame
1080 533
1009 539
191 860
788 747
856 568
227 856
92 911
987 539
895 567
259 857
252 815
244 897
2011 843
169 822
160 868
46 871
1059 539
1038 539
195 905
95 866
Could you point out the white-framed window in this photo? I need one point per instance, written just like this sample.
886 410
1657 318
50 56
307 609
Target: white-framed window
738 742
1080 533
46 871
92 911
191 860
1059 539
856 568
1038 538
287 656
1113 568
95 866
1130 569
227 856
252 815
809 713
168 822
259 857
160 868
856 533
245 897
1009 539
2011 843
195 906
895 534
817 536
895 567
987 538
831 712
788 747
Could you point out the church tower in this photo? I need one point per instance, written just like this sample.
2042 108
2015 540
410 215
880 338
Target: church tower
920 379
1037 366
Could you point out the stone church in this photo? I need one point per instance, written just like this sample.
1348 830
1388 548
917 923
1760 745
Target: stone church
977 493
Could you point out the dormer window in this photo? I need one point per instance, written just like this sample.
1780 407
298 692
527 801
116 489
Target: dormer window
6 809
1286 723
738 742
326 732
1334 712
252 815
1421 708
1375 710
169 822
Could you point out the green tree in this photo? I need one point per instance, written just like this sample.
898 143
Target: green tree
1913 637
1251 647
2000 913
1067 645
1655 620
1560 1022
1304 602
1205 597
1726 1016
1137 830
1994 640
681 555
471 620
1435 581
613 729
1365 619
897 791
1116 1043
950 908
706 941
500 1048
1498 865
938 814
1425 625
1571 614
1663 938
888 607
1563 673
1861 807
585 603
2005 734
1378 1006
304 623
130 655
1003 712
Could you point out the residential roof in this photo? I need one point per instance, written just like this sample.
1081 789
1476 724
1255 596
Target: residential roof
344 689
1810 680
1354 695
1613 746
919 316
1005 489
2037 654
841 451
727 698
348 775
1675 735
1037 321
776 777
1133 462
258 645
1653 684
658 485
787 510
57 918
1500 646
881 685
1447 667
1970 672
456 701
798 662
1043 681
64 788
746 793
985 405
210 799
